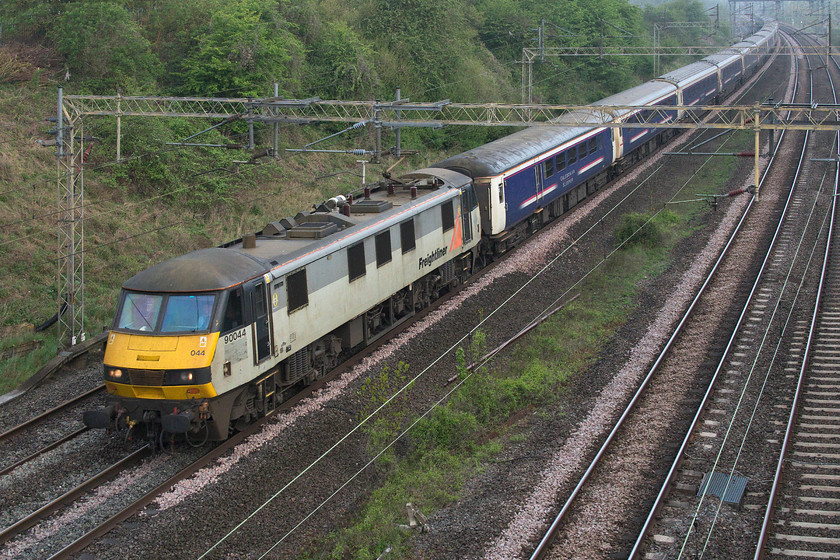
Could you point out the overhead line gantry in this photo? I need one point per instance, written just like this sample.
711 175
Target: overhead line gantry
72 146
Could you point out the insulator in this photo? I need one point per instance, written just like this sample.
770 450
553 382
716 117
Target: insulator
359 152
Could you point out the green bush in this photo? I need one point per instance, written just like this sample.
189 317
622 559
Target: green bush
636 229
343 66
447 429
243 49
104 49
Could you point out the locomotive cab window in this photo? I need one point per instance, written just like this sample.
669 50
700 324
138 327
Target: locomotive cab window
296 292
356 260
447 216
139 312
383 248
407 236
190 313
233 319
166 313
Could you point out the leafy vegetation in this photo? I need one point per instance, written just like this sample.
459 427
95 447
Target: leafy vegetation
644 228
102 44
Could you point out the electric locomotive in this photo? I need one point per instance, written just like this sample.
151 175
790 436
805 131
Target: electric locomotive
205 343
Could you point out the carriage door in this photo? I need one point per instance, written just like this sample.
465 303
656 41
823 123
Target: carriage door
468 204
538 179
258 305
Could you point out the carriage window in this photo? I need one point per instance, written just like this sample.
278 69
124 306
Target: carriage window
296 291
593 145
549 167
139 312
407 236
188 313
598 138
383 248
572 154
561 162
446 215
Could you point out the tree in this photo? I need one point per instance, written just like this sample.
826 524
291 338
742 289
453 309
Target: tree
245 47
342 64
105 49
433 46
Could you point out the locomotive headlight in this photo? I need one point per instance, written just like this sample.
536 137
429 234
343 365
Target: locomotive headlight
187 376
116 373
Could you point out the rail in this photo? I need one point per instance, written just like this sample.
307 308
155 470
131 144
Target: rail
777 478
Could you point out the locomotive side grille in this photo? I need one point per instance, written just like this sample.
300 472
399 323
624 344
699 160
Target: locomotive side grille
447 272
145 377
298 365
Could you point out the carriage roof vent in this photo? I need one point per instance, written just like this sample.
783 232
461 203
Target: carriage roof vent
312 230
370 206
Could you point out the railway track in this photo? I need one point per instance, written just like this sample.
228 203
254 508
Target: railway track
70 496
803 510
631 462
18 437
29 437
719 483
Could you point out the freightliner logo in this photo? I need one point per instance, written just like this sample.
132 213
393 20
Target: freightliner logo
431 257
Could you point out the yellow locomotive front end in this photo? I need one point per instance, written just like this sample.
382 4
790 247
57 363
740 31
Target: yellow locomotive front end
165 367
162 348
158 364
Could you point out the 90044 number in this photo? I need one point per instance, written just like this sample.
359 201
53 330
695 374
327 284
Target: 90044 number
234 336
